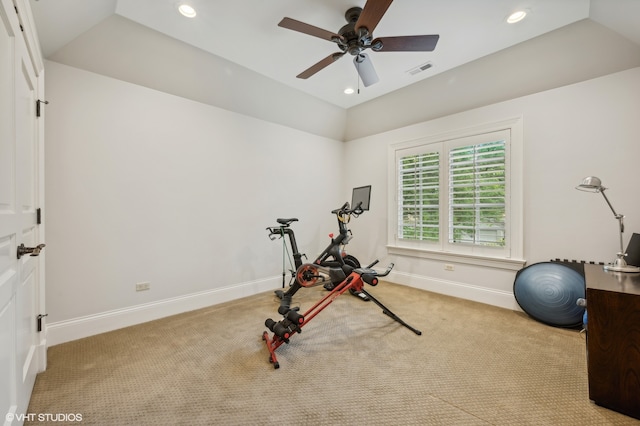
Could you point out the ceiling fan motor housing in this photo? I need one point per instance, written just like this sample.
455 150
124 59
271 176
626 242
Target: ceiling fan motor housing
358 39
353 14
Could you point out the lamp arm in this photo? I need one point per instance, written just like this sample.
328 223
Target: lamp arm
618 216
609 203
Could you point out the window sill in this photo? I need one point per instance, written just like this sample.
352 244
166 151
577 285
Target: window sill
468 259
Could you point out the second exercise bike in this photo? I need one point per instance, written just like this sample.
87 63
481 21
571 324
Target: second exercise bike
334 255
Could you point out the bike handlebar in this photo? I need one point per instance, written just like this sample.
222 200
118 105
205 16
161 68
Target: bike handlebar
346 210
370 276
343 209
385 273
368 270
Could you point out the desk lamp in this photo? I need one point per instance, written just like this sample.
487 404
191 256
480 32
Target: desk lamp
593 184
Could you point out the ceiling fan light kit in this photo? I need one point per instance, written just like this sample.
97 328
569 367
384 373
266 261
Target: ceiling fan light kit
357 36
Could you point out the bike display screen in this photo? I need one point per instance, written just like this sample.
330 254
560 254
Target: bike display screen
362 195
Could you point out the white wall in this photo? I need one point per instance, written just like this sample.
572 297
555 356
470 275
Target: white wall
147 186
589 128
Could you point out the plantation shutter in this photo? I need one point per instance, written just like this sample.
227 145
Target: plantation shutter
477 191
419 196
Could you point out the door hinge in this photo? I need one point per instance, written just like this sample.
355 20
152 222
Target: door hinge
38 102
18 13
39 318
38 216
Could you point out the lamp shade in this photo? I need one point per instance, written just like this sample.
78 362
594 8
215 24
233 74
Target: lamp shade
590 183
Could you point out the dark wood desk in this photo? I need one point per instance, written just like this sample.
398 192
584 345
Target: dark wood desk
613 342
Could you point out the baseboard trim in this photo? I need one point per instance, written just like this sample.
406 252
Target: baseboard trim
78 328
502 299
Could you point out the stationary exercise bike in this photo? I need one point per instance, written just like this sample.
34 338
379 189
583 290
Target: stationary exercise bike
333 255
307 274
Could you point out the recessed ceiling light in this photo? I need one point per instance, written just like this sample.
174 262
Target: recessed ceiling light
349 91
517 16
187 10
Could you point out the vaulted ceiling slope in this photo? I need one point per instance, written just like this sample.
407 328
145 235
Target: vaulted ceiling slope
234 56
577 52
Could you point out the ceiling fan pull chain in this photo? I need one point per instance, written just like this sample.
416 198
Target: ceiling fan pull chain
358 75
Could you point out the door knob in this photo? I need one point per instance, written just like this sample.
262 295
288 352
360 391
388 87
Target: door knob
35 251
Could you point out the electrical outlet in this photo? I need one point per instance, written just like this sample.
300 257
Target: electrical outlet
143 286
448 267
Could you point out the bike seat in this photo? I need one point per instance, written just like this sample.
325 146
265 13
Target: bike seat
286 222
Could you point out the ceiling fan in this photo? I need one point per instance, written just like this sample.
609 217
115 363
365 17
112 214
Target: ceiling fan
357 36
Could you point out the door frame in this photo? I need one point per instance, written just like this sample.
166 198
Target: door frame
28 351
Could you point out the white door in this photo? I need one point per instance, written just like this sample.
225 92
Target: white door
22 353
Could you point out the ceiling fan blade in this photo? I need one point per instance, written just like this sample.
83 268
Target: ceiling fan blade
320 65
365 68
423 43
301 27
372 13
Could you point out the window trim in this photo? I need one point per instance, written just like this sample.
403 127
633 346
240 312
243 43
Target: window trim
513 259
511 264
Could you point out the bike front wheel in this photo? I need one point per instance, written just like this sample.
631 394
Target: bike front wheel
351 261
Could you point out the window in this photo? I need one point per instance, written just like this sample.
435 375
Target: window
454 194
477 193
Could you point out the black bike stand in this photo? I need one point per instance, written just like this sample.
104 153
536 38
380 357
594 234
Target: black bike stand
390 314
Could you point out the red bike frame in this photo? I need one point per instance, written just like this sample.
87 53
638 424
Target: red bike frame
293 322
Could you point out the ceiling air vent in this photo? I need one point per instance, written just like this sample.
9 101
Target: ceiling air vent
420 68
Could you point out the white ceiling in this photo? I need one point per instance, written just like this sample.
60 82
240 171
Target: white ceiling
246 32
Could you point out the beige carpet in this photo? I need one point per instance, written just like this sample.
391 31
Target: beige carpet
473 365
